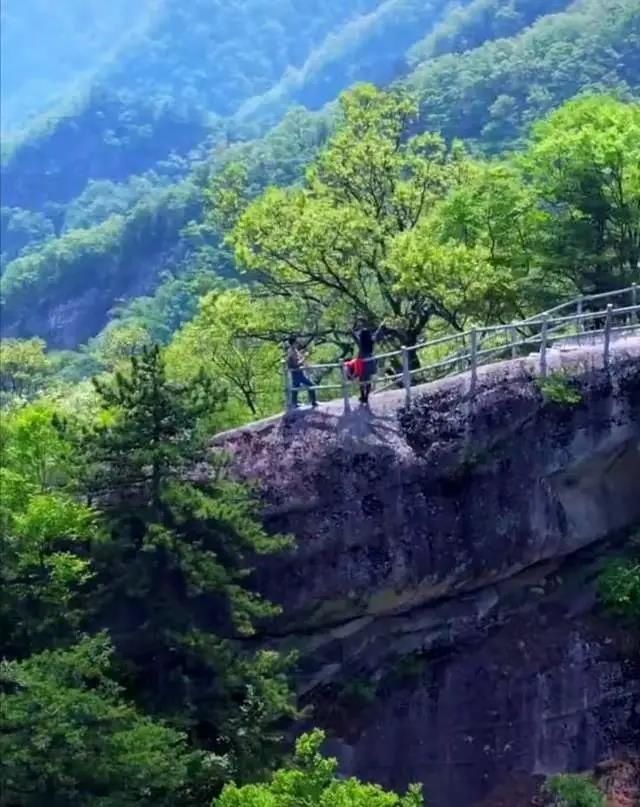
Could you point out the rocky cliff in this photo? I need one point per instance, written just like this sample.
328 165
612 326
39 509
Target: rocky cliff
443 589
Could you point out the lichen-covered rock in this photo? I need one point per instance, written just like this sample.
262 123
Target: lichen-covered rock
452 533
397 508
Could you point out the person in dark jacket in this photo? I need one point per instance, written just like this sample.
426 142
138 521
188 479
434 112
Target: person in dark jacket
366 340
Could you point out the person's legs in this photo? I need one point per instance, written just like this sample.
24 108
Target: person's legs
299 379
295 386
312 393
369 371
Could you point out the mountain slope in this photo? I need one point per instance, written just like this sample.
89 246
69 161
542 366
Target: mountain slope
497 90
49 50
141 128
188 71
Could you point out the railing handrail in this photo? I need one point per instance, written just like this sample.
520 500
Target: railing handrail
584 298
547 321
537 320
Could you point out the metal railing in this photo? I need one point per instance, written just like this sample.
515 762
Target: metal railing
591 316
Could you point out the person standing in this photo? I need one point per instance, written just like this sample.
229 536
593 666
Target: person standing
366 340
295 365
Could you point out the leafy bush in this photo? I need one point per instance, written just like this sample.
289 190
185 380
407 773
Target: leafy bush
312 781
620 588
557 388
571 790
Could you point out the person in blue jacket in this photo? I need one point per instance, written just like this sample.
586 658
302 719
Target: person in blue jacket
295 364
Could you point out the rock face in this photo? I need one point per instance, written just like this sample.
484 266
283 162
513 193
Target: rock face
443 590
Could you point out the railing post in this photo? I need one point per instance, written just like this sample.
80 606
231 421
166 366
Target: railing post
474 361
634 301
607 336
580 322
288 404
543 345
406 375
345 388
513 337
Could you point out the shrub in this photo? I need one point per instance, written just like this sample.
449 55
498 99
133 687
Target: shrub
572 790
557 388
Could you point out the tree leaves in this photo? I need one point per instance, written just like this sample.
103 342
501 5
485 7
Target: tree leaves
312 781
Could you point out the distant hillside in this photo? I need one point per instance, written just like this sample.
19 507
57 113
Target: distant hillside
492 93
84 189
189 69
50 50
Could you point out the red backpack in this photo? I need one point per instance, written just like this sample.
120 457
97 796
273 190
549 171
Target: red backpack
355 368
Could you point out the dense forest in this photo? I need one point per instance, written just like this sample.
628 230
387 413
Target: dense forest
116 155
180 192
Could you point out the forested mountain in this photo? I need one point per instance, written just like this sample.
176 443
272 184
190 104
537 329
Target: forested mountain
95 192
187 183
163 92
495 91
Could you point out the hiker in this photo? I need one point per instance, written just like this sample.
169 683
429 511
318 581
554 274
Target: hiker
295 364
365 364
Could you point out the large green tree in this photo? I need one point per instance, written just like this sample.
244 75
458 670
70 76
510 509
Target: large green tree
330 243
172 582
584 163
391 227
69 739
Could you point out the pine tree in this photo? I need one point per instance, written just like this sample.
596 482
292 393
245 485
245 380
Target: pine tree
173 578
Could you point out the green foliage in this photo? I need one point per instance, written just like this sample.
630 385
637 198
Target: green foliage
45 534
370 48
558 388
359 238
21 231
620 588
584 162
81 260
571 790
173 576
393 229
161 562
493 93
471 24
312 781
70 739
186 256
102 199
234 337
120 341
24 368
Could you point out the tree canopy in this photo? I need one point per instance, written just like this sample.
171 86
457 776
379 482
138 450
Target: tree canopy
312 781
